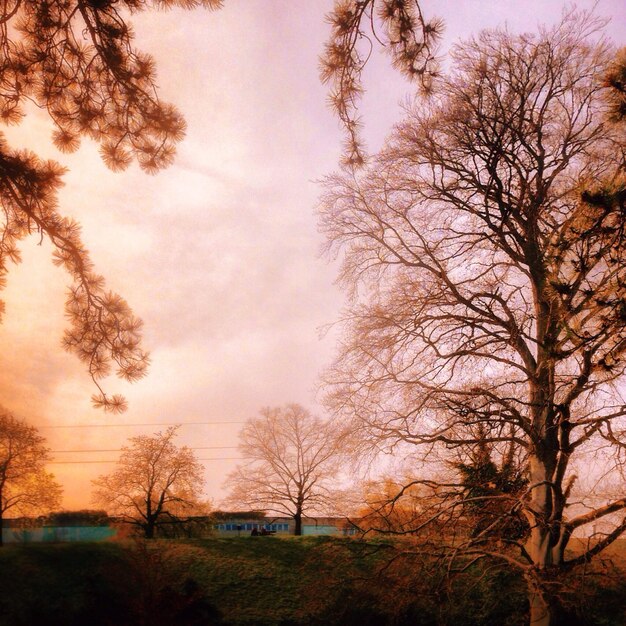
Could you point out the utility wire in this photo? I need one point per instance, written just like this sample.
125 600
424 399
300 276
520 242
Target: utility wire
224 458
119 449
122 425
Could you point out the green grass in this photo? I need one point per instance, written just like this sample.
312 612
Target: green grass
274 580
268 581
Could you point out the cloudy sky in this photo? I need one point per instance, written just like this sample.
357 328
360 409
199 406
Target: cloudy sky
219 254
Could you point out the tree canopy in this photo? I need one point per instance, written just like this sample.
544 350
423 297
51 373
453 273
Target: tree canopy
155 483
488 285
290 463
75 59
399 27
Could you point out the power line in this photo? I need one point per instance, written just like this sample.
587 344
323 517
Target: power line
224 458
119 449
122 425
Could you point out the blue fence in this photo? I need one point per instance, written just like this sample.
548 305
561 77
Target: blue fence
57 533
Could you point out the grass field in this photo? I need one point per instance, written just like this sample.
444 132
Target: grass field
272 581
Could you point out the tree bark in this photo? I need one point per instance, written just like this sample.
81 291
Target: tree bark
149 530
298 520
545 544
541 610
542 540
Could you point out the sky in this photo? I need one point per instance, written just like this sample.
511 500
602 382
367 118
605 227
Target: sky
220 253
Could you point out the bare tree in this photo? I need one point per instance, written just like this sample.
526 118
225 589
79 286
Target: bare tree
391 505
489 288
155 483
291 459
25 485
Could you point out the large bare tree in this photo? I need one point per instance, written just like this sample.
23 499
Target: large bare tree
25 485
489 285
291 459
155 483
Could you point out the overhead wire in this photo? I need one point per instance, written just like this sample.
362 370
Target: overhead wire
107 425
120 449
123 425
224 458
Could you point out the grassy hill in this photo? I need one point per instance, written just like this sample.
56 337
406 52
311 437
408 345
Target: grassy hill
268 581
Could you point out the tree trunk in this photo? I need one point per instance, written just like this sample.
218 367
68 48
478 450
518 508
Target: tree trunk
545 545
149 529
298 520
541 609
1 528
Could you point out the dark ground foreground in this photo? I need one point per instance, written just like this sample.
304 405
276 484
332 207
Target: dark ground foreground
274 581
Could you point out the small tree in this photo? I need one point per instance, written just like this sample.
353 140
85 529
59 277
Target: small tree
491 487
291 458
155 483
392 506
25 485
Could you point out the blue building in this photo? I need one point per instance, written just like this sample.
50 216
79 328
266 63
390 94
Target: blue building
233 524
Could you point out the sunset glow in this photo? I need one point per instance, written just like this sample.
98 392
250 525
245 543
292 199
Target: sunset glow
219 254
